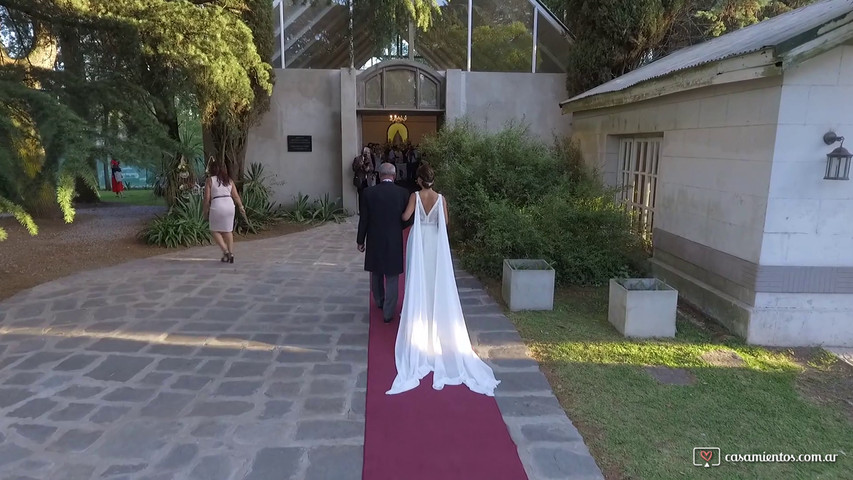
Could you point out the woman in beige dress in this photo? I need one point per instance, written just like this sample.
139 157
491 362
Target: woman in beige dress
220 198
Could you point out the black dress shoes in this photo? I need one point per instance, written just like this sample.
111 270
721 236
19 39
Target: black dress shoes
388 320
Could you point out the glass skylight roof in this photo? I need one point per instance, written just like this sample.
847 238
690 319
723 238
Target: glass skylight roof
497 36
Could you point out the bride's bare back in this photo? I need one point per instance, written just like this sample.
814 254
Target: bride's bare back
429 198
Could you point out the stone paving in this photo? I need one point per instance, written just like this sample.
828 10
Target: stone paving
181 367
843 353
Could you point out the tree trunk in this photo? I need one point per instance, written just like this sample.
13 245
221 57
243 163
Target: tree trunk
73 63
227 143
108 184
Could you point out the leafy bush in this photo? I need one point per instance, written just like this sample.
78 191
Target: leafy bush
511 195
301 212
319 211
261 212
183 226
325 210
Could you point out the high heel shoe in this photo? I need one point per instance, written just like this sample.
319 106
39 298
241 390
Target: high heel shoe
224 257
230 258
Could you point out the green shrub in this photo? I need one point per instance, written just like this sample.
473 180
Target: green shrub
325 210
512 195
261 212
318 211
301 212
183 226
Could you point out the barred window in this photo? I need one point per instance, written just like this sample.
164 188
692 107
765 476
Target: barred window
638 179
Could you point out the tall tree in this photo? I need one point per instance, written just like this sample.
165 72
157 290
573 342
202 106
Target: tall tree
81 79
616 36
226 123
613 37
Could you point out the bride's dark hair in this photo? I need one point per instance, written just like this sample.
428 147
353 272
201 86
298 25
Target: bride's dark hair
426 175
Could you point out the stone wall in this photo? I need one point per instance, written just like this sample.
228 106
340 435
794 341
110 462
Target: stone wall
304 102
716 153
492 99
808 236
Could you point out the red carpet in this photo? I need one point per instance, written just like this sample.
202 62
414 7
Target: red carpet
424 434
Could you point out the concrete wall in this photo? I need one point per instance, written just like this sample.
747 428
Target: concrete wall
349 145
809 218
304 102
713 181
492 99
716 153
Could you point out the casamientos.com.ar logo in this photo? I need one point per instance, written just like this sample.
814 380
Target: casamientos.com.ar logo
713 457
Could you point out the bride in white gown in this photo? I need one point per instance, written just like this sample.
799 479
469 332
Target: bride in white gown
432 336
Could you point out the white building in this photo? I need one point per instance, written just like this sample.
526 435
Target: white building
720 148
492 61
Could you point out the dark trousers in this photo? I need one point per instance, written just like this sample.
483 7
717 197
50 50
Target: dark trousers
359 191
385 290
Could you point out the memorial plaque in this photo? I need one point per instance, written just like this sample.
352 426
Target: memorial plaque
299 143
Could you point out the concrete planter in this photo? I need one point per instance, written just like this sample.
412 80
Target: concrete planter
528 285
642 307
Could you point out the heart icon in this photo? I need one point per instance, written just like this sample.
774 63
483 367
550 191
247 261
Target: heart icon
706 455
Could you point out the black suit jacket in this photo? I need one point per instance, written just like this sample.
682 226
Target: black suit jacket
380 225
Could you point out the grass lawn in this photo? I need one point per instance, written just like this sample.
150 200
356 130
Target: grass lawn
133 197
775 401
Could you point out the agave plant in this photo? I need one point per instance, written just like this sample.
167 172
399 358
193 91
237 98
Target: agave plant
325 210
257 198
302 211
183 226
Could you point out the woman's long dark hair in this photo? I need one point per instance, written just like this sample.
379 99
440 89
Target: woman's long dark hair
221 172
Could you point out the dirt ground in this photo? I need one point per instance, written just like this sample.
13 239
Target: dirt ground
101 235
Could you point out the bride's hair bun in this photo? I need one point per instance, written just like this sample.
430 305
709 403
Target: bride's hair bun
426 174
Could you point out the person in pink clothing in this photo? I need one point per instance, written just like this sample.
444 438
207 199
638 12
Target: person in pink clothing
220 198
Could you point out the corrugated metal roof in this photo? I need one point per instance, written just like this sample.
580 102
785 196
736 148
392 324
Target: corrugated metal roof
768 33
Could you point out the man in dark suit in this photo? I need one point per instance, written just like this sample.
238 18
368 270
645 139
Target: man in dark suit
381 224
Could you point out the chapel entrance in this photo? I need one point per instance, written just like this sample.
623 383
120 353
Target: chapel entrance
399 102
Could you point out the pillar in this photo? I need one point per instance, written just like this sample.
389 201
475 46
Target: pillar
349 137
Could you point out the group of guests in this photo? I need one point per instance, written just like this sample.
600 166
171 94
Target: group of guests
405 158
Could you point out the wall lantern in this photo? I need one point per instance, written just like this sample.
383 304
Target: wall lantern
838 160
398 118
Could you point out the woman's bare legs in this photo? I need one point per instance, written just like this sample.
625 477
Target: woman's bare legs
229 241
217 237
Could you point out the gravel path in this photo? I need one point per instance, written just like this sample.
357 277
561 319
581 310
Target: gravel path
100 236
123 221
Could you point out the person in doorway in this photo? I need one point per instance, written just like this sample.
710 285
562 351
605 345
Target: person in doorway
220 198
373 176
117 178
363 169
